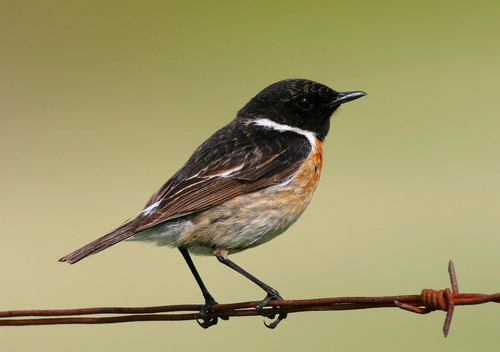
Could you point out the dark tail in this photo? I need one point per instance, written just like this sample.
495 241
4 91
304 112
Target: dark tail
115 236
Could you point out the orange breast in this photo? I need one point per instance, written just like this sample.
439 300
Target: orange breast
307 176
252 219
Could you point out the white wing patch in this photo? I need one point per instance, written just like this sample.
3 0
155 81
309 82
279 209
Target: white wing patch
228 172
151 209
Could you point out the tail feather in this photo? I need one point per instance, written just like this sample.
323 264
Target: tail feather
115 236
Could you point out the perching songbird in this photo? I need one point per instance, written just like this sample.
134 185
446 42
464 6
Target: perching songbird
245 185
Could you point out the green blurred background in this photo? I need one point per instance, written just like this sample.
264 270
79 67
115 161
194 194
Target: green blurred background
101 102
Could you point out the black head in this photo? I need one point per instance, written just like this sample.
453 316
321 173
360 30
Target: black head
300 103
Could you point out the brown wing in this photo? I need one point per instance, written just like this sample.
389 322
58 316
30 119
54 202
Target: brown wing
234 161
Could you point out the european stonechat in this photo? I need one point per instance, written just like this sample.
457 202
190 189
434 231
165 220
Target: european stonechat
245 185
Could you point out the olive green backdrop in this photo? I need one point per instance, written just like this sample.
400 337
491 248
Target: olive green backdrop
101 102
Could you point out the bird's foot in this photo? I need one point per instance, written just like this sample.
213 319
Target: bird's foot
260 308
207 322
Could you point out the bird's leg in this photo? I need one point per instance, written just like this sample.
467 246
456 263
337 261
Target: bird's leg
272 294
209 300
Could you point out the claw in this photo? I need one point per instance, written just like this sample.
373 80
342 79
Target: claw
260 309
206 323
275 323
203 315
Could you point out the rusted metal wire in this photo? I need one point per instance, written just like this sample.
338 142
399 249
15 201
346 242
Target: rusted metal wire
429 300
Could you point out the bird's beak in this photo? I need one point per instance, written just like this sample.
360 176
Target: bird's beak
344 97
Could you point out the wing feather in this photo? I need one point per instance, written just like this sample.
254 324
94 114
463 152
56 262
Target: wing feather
218 170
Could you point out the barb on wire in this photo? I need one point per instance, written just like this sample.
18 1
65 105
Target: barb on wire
428 301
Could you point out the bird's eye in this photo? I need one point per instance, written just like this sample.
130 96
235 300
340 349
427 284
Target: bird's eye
305 104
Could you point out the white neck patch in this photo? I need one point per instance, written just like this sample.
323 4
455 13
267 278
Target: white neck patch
311 137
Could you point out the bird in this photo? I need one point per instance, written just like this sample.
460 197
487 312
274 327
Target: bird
245 185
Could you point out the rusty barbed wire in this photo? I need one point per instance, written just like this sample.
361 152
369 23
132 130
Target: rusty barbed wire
428 301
